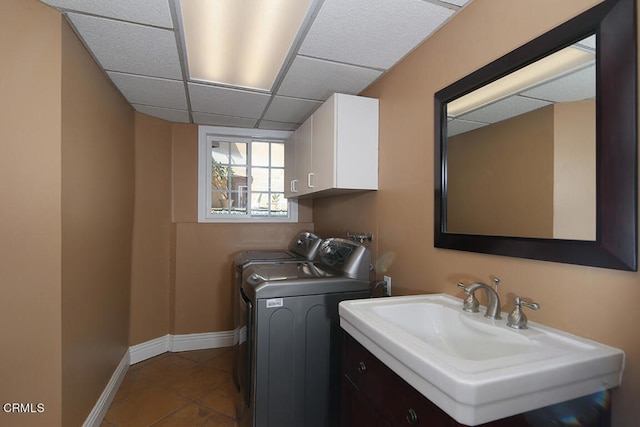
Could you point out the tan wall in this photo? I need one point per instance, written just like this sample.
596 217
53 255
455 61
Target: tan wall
67 173
97 221
574 192
151 262
182 270
500 178
595 303
30 211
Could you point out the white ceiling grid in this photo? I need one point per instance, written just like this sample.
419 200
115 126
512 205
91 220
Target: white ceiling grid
345 48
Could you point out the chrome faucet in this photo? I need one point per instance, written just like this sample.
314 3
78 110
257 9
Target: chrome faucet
471 303
517 319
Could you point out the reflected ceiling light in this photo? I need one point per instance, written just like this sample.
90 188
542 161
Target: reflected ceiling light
240 42
550 67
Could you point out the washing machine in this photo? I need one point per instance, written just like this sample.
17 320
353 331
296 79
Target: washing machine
290 363
303 247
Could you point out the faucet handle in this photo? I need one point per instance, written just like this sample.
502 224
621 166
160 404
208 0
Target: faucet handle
517 319
470 303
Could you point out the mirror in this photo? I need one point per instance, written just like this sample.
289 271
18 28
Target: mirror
536 153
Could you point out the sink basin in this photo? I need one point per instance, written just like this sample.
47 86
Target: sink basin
476 369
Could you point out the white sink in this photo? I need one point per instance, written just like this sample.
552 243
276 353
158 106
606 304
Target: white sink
476 369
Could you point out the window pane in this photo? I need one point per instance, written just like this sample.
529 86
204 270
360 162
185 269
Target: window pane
219 201
220 152
260 179
277 155
259 202
238 153
278 202
260 153
277 180
238 177
219 176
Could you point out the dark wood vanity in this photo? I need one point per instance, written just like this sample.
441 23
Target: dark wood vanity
375 396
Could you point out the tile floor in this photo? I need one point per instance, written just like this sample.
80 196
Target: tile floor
191 388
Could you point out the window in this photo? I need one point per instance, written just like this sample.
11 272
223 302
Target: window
241 176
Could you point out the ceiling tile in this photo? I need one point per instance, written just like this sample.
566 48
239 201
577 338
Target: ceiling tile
576 86
267 124
151 90
292 110
228 102
149 12
457 126
130 48
455 2
178 116
373 33
317 79
504 109
220 120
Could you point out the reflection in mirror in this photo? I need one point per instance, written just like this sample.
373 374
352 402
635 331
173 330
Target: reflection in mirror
580 180
521 151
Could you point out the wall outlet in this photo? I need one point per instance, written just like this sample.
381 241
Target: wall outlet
388 286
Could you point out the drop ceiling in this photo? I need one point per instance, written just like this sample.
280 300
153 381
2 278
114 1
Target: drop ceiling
343 46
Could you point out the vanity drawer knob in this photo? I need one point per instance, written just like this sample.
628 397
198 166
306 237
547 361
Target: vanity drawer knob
362 367
412 417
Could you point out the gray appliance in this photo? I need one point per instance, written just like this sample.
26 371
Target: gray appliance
303 247
290 363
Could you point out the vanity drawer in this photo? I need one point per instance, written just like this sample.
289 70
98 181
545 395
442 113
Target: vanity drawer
394 399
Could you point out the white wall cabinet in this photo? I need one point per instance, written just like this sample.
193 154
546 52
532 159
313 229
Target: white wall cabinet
336 149
298 161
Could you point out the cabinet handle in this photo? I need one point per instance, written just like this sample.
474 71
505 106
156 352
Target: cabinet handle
412 417
294 185
362 367
309 179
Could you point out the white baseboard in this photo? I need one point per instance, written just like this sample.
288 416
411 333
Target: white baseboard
104 401
201 341
176 343
146 350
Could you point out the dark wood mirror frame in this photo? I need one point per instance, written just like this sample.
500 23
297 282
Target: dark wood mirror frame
615 246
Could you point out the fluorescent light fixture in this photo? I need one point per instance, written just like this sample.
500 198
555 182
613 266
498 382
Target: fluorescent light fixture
550 67
240 43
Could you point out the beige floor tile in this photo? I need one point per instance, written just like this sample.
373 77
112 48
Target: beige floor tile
193 388
167 370
225 399
197 381
148 362
202 356
195 416
224 362
131 385
145 408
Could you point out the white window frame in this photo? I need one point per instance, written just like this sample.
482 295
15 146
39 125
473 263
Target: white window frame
205 134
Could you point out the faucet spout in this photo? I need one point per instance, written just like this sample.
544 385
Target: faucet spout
493 300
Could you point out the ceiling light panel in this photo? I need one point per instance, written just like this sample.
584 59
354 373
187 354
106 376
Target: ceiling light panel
149 12
241 43
130 48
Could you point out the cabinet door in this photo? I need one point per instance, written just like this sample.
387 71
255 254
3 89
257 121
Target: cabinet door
323 156
291 183
356 156
304 156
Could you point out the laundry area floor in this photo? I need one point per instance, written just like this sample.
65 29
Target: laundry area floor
191 388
